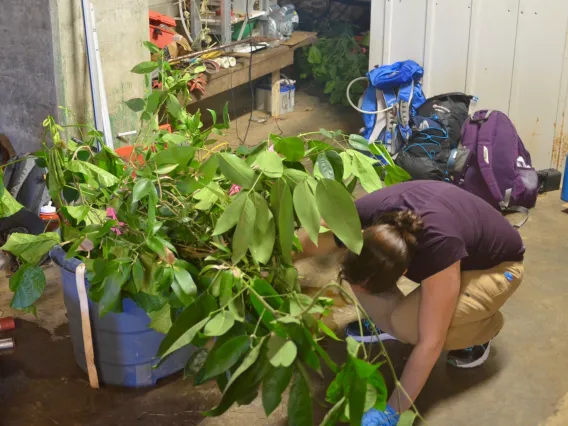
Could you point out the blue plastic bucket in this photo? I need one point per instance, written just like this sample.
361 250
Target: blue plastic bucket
125 348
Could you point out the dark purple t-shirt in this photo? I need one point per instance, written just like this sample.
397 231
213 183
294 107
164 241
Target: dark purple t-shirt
457 226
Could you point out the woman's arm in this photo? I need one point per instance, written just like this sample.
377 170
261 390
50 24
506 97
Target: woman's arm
438 303
326 244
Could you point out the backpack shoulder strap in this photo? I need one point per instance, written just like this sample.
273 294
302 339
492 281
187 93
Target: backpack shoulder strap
485 154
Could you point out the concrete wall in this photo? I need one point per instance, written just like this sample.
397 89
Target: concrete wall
122 26
27 82
166 7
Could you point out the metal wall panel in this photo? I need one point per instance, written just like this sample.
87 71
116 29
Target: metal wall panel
512 54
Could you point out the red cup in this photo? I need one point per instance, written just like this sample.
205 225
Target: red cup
7 324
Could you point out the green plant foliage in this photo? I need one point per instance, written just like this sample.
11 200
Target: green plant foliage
333 62
202 237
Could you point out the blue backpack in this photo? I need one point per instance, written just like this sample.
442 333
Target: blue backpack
402 92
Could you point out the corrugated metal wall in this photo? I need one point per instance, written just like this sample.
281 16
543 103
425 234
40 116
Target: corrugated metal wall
512 54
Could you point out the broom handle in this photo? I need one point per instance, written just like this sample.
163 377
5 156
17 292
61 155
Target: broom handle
86 326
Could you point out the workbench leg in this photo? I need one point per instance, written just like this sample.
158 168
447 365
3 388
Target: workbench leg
275 107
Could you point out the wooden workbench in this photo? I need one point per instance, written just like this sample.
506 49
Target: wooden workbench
269 61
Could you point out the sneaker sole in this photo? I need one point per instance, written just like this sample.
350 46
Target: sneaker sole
475 363
373 339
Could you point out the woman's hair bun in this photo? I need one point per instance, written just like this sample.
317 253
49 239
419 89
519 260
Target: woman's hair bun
406 222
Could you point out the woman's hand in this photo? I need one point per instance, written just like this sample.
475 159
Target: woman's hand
439 295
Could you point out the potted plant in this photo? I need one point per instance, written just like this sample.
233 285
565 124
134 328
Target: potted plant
200 238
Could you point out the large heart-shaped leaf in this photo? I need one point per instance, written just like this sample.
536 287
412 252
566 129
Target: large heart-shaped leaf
30 248
338 210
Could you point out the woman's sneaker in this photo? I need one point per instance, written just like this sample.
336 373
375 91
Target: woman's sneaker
470 357
371 333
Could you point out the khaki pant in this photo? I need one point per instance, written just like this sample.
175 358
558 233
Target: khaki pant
476 320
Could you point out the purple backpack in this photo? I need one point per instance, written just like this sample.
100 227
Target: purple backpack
495 164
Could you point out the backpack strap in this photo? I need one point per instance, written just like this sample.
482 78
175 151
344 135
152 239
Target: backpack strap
517 209
484 156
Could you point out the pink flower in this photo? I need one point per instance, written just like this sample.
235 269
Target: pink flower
271 148
235 189
111 213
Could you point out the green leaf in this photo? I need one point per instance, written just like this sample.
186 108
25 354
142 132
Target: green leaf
231 215
336 163
207 196
112 286
329 87
9 205
136 104
79 213
183 330
237 308
244 231
274 384
347 164
141 189
195 363
327 133
28 284
357 393
219 324
161 320
174 138
292 148
30 248
281 199
300 403
153 102
281 352
144 67
151 47
378 382
209 168
338 211
138 275
407 418
327 331
181 155
294 177
333 416
104 178
185 281
314 55
366 173
352 347
263 239
307 210
166 168
173 106
222 359
270 164
236 170
248 361
359 143
324 166
370 398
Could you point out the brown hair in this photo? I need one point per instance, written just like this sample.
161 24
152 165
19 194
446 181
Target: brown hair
388 247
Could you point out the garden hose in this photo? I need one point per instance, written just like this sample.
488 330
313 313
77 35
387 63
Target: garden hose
359 109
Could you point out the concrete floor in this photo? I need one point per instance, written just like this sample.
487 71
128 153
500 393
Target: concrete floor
524 382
